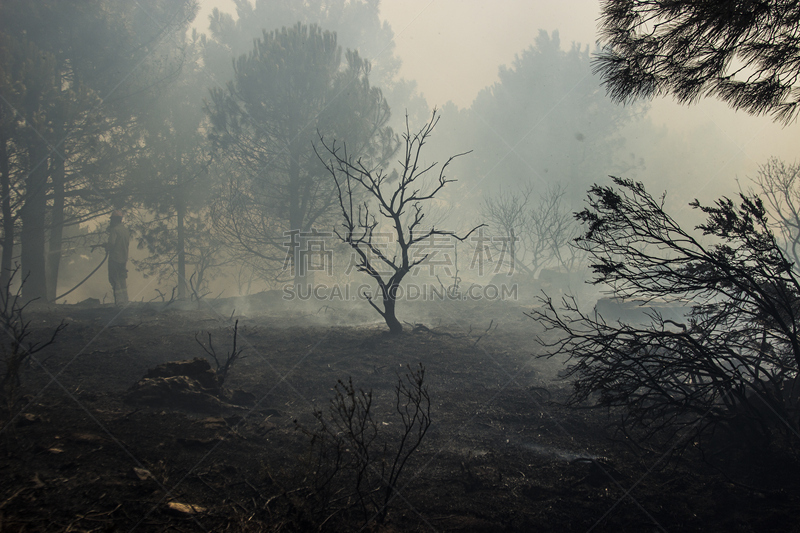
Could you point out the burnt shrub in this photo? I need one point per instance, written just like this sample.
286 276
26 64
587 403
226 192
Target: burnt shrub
722 375
354 461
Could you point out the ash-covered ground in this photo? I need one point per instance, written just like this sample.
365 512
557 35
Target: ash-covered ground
83 453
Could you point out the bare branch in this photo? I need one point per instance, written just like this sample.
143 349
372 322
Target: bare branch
394 195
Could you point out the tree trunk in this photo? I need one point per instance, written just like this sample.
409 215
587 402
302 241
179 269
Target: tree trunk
295 216
52 261
33 212
8 216
56 229
512 250
181 208
389 303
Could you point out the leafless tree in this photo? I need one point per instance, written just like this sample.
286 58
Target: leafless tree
400 199
550 232
779 184
231 357
508 212
537 231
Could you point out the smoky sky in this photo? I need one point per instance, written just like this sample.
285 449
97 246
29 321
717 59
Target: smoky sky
453 49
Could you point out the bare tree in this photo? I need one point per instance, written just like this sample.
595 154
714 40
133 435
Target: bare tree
779 184
231 357
508 212
399 200
550 232
730 365
534 235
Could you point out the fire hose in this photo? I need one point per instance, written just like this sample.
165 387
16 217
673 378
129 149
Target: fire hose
57 298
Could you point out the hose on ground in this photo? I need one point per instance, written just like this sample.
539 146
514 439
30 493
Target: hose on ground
57 298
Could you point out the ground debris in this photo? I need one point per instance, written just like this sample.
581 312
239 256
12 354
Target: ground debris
142 474
185 508
189 384
196 369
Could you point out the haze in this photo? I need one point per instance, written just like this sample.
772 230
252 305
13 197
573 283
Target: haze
398 265
512 84
453 49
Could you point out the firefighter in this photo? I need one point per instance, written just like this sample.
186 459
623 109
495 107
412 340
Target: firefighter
119 239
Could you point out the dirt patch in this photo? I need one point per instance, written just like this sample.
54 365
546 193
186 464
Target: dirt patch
501 454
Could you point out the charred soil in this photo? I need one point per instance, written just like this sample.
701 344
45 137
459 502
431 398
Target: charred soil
502 453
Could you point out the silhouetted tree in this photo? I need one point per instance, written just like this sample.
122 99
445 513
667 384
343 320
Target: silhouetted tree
171 178
744 53
357 24
730 365
545 122
399 199
291 86
12 148
82 71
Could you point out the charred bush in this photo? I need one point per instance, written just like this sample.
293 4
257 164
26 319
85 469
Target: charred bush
223 365
727 371
17 345
192 384
355 461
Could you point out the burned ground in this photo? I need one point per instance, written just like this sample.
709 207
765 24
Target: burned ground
502 454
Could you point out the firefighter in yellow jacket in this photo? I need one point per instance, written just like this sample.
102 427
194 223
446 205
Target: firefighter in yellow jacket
119 239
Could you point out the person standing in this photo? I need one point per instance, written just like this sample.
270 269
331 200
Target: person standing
119 239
